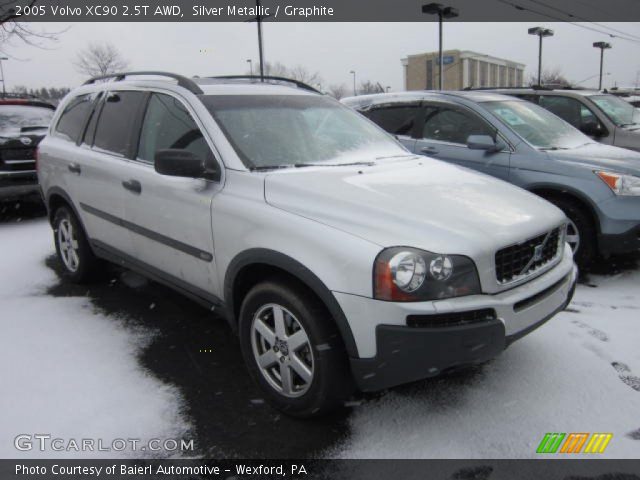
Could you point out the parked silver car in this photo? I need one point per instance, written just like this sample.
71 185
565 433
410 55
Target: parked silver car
597 186
604 117
337 255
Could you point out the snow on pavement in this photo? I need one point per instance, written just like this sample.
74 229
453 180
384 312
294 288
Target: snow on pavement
578 373
66 369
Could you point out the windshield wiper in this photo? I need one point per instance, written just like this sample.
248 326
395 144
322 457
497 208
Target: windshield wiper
544 149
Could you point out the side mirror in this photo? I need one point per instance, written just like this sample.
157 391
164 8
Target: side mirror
592 129
484 142
179 163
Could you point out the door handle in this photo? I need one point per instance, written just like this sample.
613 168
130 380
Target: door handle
74 168
133 186
429 150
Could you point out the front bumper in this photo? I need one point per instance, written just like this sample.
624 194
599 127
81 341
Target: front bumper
392 353
620 243
18 184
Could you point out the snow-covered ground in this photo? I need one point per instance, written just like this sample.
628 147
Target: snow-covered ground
66 369
71 371
578 373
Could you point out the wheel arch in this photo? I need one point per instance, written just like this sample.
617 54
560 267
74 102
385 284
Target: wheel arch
251 266
562 191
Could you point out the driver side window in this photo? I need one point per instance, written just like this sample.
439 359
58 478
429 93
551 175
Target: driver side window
452 125
168 125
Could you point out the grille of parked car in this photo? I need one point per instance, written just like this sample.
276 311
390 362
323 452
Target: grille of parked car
17 159
451 319
519 261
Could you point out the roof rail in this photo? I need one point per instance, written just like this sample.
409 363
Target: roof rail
257 78
182 80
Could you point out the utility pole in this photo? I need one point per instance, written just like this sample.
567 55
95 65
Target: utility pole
4 83
258 19
352 72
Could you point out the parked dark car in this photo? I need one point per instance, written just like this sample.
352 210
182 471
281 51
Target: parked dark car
23 124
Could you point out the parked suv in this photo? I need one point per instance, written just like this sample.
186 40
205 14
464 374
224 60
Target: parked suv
339 257
23 123
597 186
604 117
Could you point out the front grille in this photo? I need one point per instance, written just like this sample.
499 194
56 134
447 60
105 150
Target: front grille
518 261
451 319
17 159
17 153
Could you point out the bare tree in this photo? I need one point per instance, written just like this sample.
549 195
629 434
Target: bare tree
11 29
368 86
552 76
100 59
301 74
338 91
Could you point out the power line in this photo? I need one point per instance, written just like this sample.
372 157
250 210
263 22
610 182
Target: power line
547 15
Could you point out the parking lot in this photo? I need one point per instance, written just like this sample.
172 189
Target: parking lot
125 357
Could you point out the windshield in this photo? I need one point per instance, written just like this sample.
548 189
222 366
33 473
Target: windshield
298 130
19 116
620 112
536 125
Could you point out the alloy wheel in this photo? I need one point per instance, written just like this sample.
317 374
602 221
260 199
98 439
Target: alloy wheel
282 350
68 244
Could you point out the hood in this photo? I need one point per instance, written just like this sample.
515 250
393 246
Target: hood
422 203
599 156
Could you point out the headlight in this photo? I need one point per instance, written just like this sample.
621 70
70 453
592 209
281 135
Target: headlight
619 183
405 274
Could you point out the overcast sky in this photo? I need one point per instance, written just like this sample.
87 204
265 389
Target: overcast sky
373 50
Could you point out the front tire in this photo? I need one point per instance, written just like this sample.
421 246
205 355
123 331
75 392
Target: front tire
293 349
581 232
72 246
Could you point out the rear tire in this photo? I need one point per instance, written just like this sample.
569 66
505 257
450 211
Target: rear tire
293 349
581 231
73 249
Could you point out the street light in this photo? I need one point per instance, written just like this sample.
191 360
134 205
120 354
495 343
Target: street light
602 46
4 89
388 88
442 12
258 19
541 32
250 66
352 72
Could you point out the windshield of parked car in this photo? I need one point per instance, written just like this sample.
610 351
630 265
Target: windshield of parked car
298 130
620 112
19 116
536 125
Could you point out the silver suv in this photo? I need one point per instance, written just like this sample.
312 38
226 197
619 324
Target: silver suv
341 259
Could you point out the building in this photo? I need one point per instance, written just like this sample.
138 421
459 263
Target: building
460 69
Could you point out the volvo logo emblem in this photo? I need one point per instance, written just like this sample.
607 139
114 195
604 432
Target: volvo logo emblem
25 140
537 252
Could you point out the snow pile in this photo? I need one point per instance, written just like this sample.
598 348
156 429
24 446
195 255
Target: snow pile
67 370
578 373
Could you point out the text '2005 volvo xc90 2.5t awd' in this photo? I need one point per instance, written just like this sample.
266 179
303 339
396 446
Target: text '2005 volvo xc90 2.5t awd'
341 259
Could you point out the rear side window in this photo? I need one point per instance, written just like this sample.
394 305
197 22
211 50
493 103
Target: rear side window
168 125
115 130
74 116
398 120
